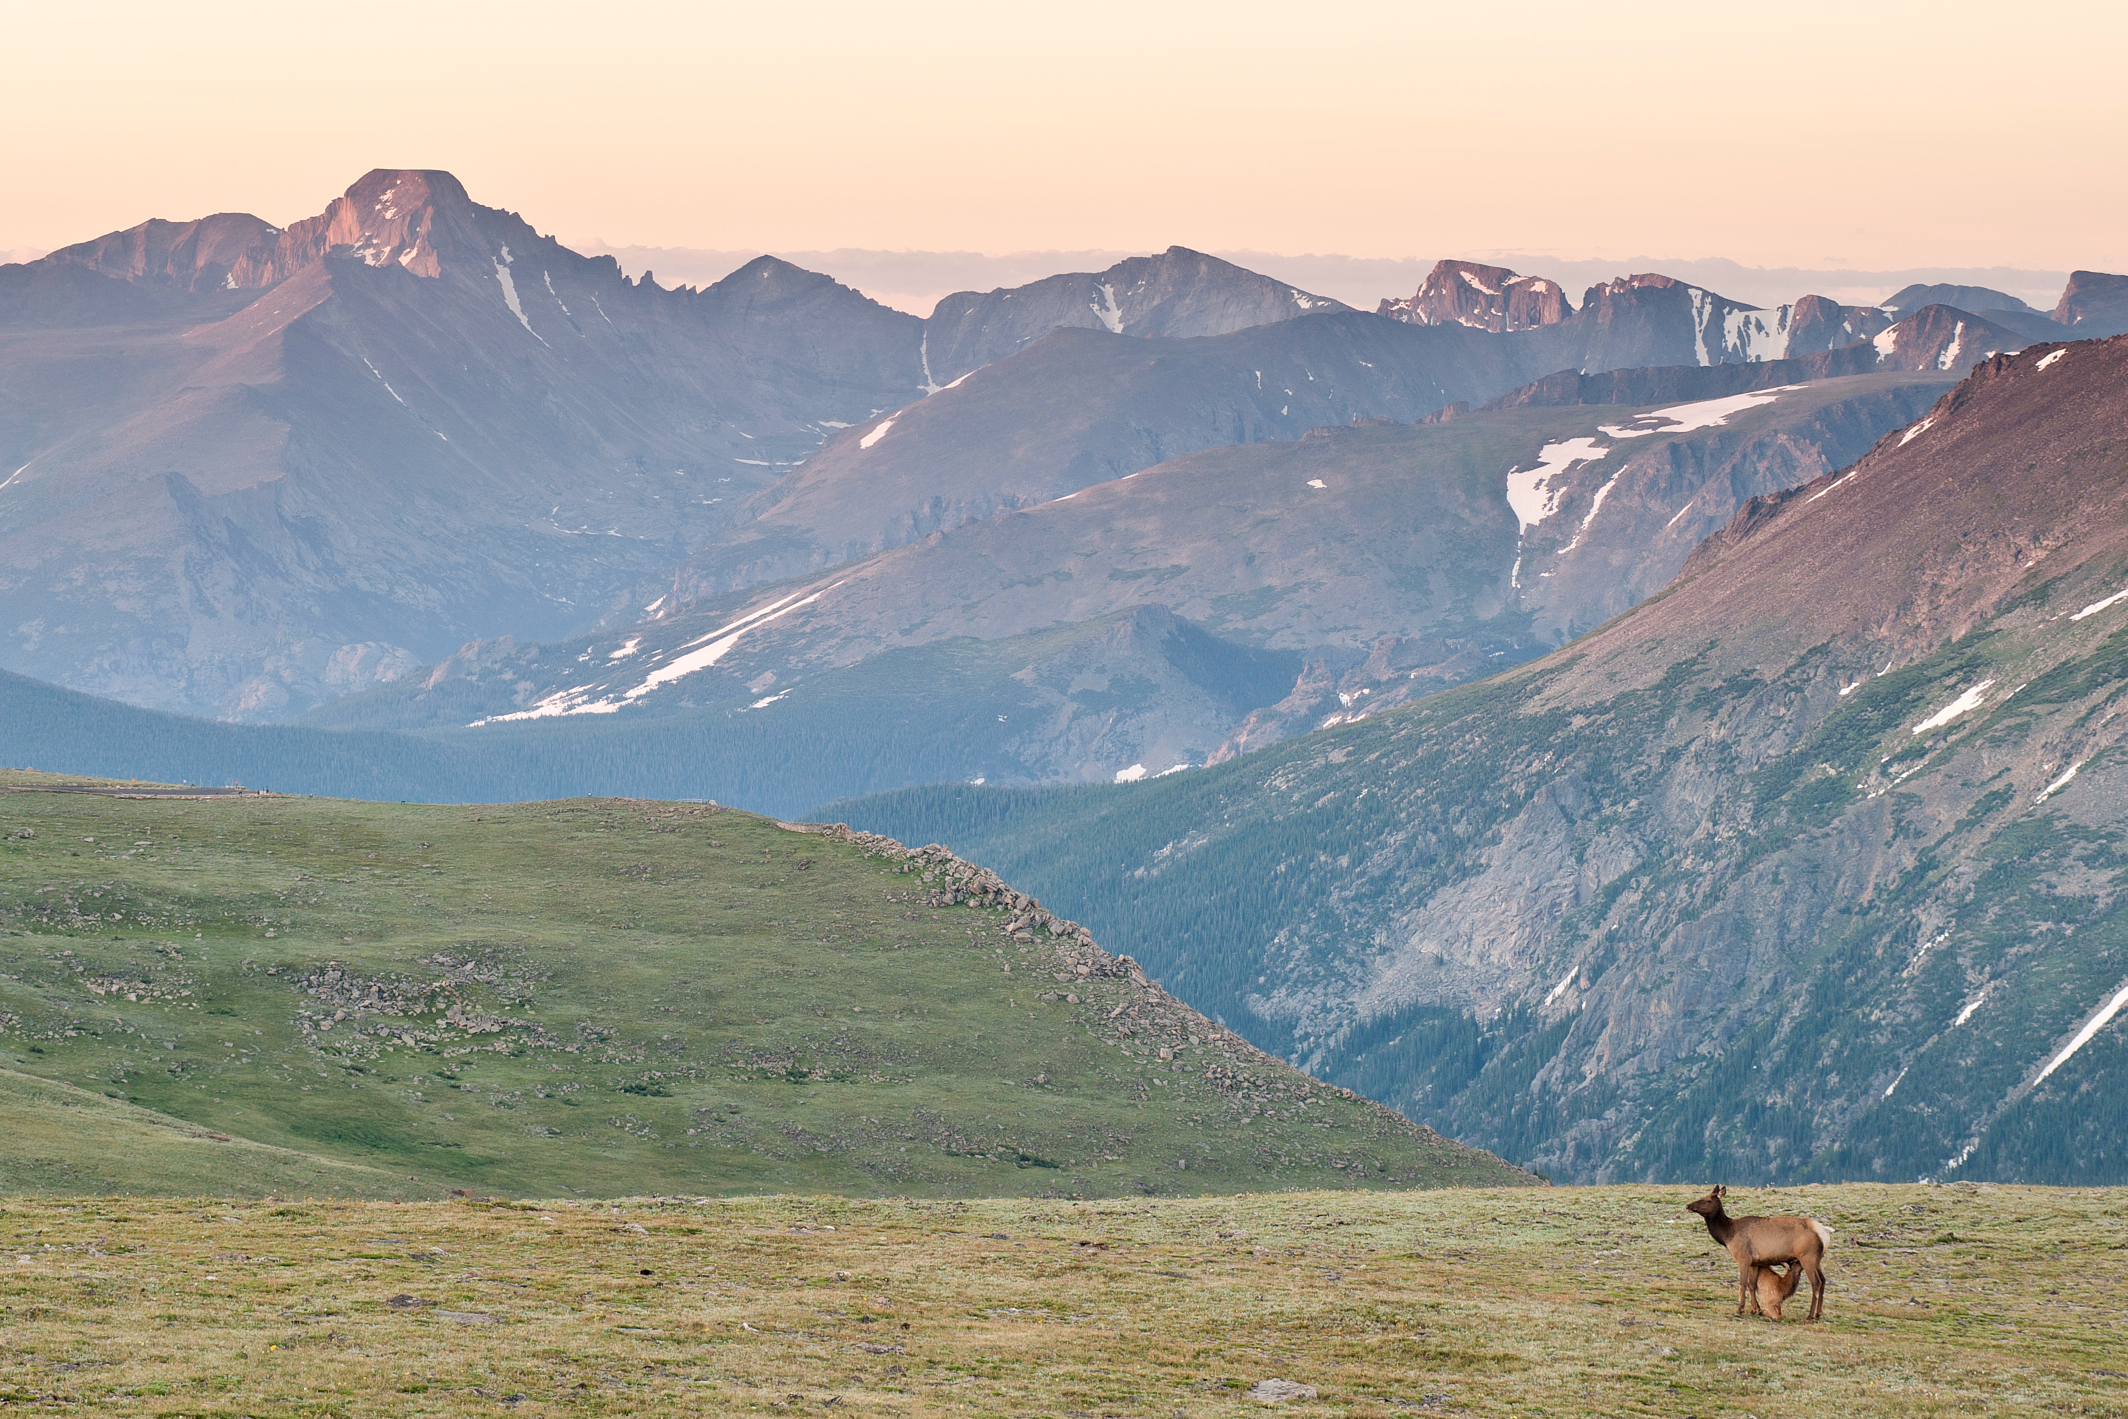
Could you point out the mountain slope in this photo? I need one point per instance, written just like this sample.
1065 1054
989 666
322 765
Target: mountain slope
1082 407
1939 337
1908 299
1166 620
1807 868
1395 559
1062 704
628 997
403 422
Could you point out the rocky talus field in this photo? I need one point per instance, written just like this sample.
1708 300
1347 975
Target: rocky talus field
598 998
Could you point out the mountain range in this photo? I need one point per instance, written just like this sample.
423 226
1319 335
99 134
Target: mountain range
250 470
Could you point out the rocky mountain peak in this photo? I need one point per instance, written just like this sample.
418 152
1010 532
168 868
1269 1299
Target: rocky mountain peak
411 218
1909 299
1483 297
2095 302
1179 294
1941 337
1639 281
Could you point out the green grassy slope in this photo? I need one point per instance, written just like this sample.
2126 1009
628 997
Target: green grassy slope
61 1138
603 997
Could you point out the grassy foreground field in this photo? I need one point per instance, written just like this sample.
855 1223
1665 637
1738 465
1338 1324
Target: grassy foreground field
1944 1301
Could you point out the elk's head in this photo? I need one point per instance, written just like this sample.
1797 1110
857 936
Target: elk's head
1710 1205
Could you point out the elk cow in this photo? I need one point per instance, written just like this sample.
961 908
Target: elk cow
1760 1242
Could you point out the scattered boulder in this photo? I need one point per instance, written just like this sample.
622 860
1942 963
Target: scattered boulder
1279 1391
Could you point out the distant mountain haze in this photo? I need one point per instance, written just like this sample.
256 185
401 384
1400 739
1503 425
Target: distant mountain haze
1212 604
1911 298
1076 409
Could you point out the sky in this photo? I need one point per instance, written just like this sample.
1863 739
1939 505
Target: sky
1799 134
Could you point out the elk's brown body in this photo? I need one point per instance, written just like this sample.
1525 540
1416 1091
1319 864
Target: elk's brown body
1760 1242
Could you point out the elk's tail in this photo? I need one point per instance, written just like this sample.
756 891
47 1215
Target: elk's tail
1824 1232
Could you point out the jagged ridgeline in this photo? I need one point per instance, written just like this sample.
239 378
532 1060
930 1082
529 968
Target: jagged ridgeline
604 997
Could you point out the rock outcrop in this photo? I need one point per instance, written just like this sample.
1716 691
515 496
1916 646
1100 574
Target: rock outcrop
1146 1022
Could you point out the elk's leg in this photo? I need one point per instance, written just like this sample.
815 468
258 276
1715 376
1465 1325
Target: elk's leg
1747 1285
1816 1273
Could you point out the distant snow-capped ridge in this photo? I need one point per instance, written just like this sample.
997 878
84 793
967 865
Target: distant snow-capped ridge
1663 319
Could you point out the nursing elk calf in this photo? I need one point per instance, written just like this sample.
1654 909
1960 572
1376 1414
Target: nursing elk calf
1760 1242
1776 1286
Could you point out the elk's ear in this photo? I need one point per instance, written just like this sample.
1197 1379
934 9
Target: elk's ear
1722 1191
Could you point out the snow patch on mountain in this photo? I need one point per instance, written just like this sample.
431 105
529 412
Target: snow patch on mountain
1110 315
2097 606
509 294
1966 702
2097 1022
1528 489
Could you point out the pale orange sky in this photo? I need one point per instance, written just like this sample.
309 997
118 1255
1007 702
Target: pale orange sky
1812 134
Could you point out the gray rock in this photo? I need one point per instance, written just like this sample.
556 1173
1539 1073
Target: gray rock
1279 1391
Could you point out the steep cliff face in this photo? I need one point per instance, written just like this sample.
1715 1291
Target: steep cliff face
1807 867
1179 294
1816 323
1654 320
